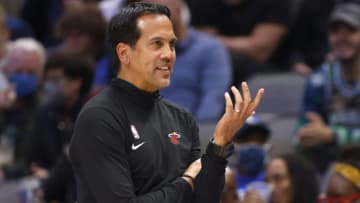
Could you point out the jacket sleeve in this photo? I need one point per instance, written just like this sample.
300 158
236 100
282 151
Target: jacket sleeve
99 158
209 183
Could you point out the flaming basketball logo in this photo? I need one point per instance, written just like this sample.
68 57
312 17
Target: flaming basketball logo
174 137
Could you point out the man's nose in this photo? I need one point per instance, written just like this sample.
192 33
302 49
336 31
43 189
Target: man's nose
168 52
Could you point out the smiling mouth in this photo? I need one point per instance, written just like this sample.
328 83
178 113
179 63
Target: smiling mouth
163 69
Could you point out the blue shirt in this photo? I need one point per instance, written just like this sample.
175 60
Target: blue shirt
202 74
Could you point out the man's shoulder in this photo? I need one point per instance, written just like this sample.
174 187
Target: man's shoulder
105 102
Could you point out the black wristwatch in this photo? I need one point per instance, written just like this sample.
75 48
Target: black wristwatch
224 152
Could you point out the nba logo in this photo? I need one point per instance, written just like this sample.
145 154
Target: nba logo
134 132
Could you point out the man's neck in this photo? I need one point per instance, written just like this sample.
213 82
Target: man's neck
351 71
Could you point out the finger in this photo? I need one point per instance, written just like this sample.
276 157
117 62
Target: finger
257 100
246 92
238 98
228 103
314 117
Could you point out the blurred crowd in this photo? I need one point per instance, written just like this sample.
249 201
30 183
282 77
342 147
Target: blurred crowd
54 57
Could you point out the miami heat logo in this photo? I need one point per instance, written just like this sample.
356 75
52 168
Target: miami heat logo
174 137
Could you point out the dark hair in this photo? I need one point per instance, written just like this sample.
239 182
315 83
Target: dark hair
74 66
86 19
303 179
123 27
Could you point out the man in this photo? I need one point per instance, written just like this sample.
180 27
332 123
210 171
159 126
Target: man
331 110
202 70
130 145
23 68
253 30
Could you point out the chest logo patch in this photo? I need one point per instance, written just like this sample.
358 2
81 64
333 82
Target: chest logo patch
134 132
174 137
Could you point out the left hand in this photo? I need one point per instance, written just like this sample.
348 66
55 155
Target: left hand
316 132
235 114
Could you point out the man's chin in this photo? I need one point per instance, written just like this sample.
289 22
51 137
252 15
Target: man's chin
163 83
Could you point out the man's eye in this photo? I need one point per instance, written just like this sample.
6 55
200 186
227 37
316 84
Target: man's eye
158 43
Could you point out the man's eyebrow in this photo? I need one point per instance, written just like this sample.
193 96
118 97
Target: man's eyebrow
173 39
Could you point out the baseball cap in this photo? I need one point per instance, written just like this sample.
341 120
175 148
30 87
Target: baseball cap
348 13
253 124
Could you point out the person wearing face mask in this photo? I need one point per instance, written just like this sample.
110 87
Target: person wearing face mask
71 77
330 116
22 68
247 165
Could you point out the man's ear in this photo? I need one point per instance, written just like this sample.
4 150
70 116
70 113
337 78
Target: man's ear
122 51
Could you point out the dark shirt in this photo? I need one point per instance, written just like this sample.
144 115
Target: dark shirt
53 127
133 146
240 20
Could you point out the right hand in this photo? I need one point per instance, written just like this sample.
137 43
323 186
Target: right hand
236 114
193 170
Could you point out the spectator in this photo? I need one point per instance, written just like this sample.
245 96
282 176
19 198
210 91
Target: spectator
53 123
23 67
343 184
293 180
252 30
202 71
308 36
82 29
252 148
330 116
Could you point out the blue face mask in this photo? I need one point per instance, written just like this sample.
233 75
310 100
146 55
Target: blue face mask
25 84
251 159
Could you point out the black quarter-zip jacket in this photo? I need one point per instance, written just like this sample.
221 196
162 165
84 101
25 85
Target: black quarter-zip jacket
133 146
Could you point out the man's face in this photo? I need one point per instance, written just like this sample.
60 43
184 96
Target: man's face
345 41
152 59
